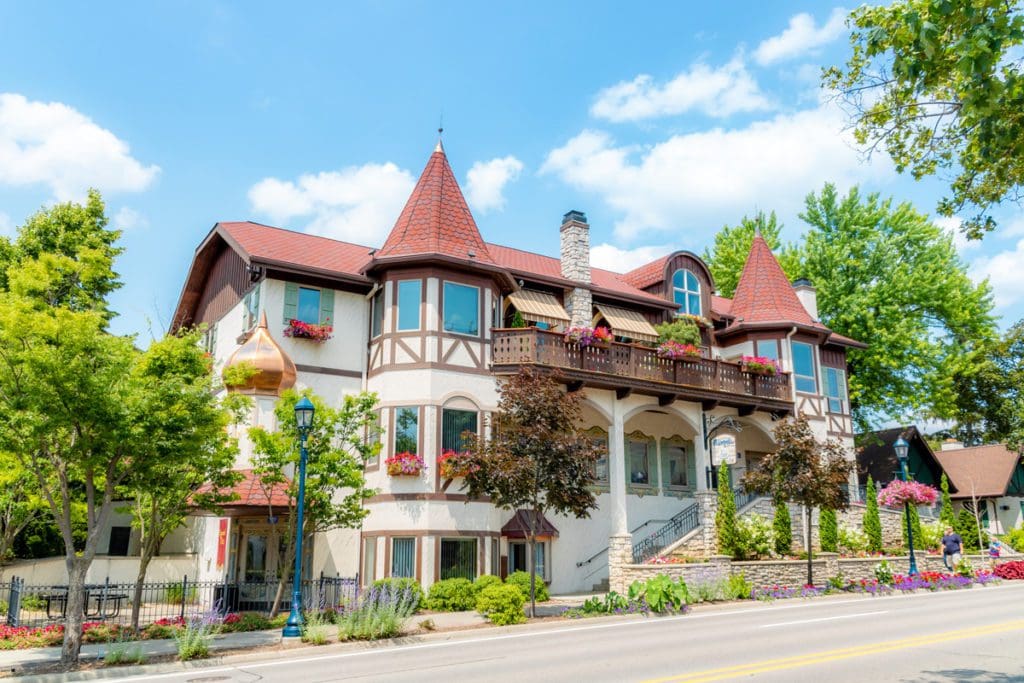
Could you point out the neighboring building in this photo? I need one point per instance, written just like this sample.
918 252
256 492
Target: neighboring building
990 476
877 457
425 322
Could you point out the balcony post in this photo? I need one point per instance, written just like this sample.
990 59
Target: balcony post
620 542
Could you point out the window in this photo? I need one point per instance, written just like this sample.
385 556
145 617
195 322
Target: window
309 306
835 389
496 311
403 557
638 460
518 553
119 537
458 558
461 309
453 424
369 560
210 339
767 348
803 368
495 560
373 437
601 464
686 292
409 305
674 464
377 313
407 431
251 308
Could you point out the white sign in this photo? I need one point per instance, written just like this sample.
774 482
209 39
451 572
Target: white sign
723 449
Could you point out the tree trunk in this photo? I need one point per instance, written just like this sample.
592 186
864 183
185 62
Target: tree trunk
284 568
809 512
532 543
77 569
140 579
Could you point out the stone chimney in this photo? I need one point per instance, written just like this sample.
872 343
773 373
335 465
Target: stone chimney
576 267
808 296
952 445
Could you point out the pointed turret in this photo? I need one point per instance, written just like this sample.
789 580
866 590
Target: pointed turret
764 293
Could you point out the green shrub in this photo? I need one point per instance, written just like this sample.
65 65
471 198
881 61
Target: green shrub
317 628
244 622
738 587
679 330
851 540
946 515
725 514
173 594
872 520
484 581
522 581
606 605
502 604
931 535
967 527
1014 539
884 573
400 584
32 602
452 595
661 593
782 528
753 538
376 616
3 607
194 640
123 653
828 531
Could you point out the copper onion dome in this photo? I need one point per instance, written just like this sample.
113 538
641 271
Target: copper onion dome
275 371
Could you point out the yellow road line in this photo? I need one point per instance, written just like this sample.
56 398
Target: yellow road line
768 665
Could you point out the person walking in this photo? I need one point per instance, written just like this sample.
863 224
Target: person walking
952 548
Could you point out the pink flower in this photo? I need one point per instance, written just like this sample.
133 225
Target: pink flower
897 493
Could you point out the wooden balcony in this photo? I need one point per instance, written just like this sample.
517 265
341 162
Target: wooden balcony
628 368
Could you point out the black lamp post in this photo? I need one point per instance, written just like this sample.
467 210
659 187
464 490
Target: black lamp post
303 421
902 450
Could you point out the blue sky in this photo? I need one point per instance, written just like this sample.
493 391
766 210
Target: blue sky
662 123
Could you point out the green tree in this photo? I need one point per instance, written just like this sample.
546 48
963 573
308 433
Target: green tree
20 503
337 447
937 85
803 471
782 527
969 529
725 514
872 518
946 515
727 256
828 531
990 398
538 457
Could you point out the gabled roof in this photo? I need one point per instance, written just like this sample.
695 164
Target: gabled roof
877 457
982 471
647 274
251 491
267 244
436 219
764 293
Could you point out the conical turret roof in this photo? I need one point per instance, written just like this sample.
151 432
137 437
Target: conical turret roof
764 293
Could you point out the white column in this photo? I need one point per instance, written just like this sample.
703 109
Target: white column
617 472
702 458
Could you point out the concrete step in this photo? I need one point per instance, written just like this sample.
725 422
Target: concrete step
601 587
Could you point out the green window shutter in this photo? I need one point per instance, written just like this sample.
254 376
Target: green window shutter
327 307
691 467
291 301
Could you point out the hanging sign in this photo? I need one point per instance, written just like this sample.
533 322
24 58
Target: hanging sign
222 543
723 449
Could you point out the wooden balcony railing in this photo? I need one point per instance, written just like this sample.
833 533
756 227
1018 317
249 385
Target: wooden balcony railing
638 367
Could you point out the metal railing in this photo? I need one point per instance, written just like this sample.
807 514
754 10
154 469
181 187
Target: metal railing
602 551
677 527
40 605
743 497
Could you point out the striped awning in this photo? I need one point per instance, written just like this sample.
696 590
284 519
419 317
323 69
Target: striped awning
627 323
539 306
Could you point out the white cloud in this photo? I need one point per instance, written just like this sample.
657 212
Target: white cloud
951 224
698 181
1013 228
128 218
618 260
802 36
1004 273
358 203
50 143
486 180
714 91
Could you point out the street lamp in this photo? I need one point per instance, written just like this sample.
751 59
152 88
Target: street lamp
902 450
304 422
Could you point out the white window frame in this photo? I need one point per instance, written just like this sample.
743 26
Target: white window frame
686 292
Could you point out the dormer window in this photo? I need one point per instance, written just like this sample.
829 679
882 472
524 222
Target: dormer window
686 291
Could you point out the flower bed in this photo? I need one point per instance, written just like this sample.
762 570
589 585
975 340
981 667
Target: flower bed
676 351
1013 571
898 493
929 581
300 330
405 464
759 365
588 336
453 464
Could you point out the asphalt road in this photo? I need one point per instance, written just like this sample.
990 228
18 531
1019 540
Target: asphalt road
972 635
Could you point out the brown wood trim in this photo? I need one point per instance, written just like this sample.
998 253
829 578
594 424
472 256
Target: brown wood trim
429 366
407 497
447 533
387 556
278 270
336 372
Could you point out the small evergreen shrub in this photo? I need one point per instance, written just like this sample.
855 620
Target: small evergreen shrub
400 584
522 581
967 527
872 520
452 595
828 531
782 527
946 515
738 587
1015 539
502 604
725 514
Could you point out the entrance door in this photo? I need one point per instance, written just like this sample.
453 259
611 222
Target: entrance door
258 564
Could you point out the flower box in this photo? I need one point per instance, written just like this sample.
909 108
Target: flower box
898 493
759 365
676 351
453 464
589 336
300 330
698 320
405 464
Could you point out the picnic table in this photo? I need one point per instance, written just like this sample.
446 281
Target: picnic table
104 604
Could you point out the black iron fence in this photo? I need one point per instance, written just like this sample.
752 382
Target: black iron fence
677 527
40 605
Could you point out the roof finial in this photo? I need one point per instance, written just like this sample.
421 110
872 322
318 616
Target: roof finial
440 132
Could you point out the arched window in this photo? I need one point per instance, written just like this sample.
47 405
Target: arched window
686 291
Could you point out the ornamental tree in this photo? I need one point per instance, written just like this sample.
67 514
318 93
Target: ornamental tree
538 458
725 514
337 447
804 471
872 519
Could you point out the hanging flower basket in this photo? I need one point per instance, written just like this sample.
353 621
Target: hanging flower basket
300 330
674 350
898 493
405 464
698 320
454 464
589 336
759 365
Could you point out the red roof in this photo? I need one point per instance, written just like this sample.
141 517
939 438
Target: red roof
267 243
764 293
721 305
647 274
436 219
250 491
